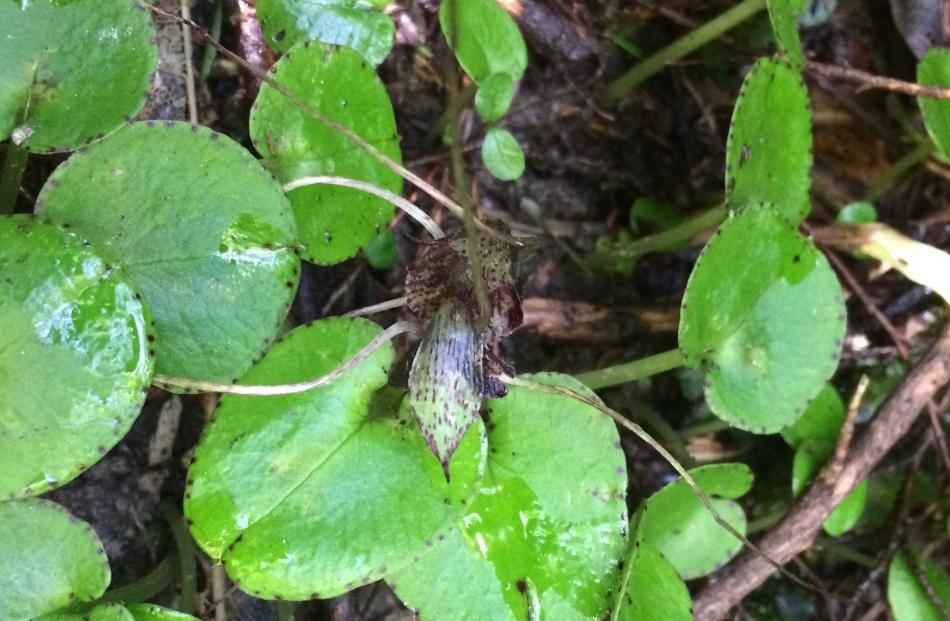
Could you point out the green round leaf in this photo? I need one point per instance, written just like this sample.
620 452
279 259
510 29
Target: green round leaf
654 590
72 71
202 231
764 316
333 222
769 151
822 420
48 560
342 22
502 154
493 96
907 597
849 512
934 70
312 494
810 456
537 540
676 523
857 213
74 358
485 38
784 16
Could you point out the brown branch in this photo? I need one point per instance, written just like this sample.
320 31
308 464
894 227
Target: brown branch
796 532
872 81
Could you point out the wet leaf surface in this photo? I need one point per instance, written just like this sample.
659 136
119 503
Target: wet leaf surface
201 229
543 536
310 495
59 58
334 223
74 356
342 22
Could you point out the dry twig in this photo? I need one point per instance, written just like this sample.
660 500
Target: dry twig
796 532
872 81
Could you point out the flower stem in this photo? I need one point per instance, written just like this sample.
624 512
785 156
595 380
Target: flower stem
674 236
13 166
632 371
617 90
186 558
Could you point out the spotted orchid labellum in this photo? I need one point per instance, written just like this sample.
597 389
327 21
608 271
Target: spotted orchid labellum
458 361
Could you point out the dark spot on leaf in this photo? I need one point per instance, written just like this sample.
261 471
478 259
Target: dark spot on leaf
522 586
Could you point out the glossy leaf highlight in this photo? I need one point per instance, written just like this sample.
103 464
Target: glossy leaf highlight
201 229
74 356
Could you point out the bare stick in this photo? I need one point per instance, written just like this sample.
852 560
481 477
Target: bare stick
641 433
189 66
377 308
872 81
796 532
272 390
411 210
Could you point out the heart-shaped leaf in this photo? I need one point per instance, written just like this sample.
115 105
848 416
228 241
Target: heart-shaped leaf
72 71
770 339
312 494
654 591
502 154
48 560
676 523
333 222
200 228
934 70
784 16
544 536
909 600
769 152
74 356
485 39
343 22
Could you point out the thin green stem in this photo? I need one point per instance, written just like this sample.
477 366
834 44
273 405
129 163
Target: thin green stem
704 429
766 521
617 91
186 558
460 181
675 236
897 170
829 545
13 166
659 425
285 611
632 371
217 18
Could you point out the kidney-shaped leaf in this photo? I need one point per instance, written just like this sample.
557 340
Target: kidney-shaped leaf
545 534
344 22
74 356
333 222
485 38
769 151
784 17
201 229
310 495
908 598
72 71
654 591
676 523
764 315
934 70
821 421
502 154
48 560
